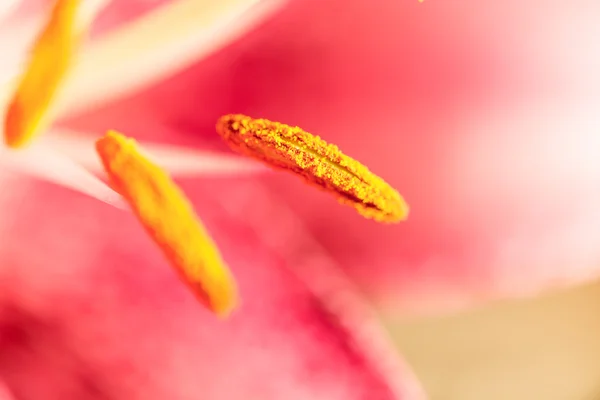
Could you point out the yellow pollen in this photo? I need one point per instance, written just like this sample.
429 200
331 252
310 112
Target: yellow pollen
170 221
51 57
290 148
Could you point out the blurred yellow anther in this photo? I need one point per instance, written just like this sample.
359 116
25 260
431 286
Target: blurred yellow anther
291 148
51 57
170 220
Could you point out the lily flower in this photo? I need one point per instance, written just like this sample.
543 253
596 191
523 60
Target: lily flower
484 115
87 309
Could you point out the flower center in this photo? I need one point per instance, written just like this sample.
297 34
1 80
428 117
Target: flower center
161 207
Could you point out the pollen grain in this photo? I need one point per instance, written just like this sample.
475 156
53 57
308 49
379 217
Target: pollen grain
322 164
170 220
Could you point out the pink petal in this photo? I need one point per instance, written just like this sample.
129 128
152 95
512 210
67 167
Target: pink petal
7 7
5 394
483 114
89 309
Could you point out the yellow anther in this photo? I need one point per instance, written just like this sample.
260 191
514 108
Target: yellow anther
169 219
51 57
322 164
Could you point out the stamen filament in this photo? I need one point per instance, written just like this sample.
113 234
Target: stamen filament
170 221
43 163
180 161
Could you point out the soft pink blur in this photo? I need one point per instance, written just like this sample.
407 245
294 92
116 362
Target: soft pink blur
483 115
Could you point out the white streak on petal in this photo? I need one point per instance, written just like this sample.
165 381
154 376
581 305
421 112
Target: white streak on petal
183 162
157 45
179 161
45 164
89 10
16 37
7 7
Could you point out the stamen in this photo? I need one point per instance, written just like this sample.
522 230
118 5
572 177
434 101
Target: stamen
170 220
291 148
51 57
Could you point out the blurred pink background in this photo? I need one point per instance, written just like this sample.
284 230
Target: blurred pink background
484 116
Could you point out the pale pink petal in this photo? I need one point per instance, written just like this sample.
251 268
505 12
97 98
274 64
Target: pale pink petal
120 12
5 394
89 309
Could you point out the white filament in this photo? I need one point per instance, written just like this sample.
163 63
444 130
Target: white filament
181 162
43 163
155 46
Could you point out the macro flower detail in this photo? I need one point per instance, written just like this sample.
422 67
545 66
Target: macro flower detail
491 135
322 164
93 312
158 203
169 219
51 58
161 207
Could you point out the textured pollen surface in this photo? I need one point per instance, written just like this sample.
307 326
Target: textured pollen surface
170 220
52 55
320 163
